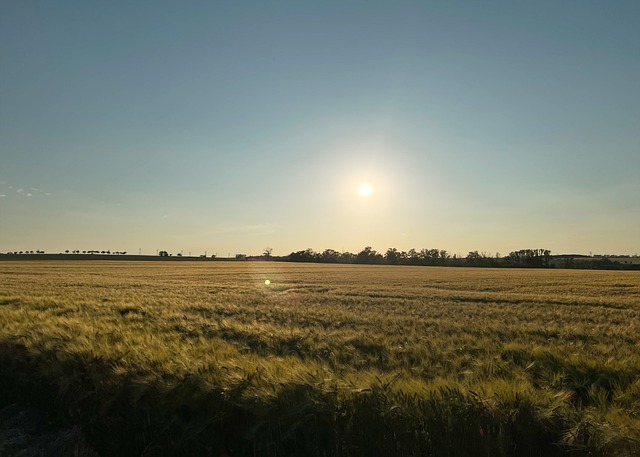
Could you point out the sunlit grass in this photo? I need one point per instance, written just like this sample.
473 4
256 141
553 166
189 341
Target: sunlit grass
327 359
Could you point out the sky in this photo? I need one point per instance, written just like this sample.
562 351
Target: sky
228 127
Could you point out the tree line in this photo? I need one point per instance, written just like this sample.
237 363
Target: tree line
74 251
535 258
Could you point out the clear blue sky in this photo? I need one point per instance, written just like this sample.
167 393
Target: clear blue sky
232 126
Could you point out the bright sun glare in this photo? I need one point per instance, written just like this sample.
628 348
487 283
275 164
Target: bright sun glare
364 189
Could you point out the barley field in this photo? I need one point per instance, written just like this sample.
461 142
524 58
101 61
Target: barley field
278 359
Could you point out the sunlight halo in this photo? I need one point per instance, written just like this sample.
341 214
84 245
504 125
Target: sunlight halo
364 189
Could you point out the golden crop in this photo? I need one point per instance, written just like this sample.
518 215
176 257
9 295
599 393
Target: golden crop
405 360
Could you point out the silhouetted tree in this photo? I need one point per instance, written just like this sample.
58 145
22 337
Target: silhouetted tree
369 255
474 258
523 258
430 256
347 257
330 256
392 256
530 257
413 257
308 255
444 256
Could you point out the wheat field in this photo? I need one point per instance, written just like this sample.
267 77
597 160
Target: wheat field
279 359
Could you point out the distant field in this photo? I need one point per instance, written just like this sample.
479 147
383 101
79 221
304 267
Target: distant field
326 360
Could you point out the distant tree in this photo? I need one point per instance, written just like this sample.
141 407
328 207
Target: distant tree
266 253
369 255
413 257
444 256
330 256
530 258
429 256
546 257
392 256
347 257
308 255
474 258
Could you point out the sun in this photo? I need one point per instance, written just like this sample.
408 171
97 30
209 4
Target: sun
364 189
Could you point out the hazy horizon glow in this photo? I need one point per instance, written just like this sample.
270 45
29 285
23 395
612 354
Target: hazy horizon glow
226 128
